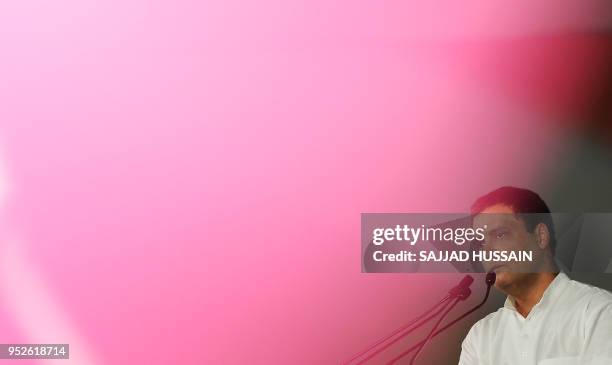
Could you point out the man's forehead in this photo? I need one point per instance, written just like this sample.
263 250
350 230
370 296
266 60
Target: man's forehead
496 215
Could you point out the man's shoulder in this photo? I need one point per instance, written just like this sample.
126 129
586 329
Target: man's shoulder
588 288
577 296
588 295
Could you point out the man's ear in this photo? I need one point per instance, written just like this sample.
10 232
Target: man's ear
542 235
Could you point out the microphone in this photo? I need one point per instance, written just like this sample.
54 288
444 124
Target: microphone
489 281
462 290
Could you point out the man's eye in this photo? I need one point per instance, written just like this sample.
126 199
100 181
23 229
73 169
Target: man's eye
500 235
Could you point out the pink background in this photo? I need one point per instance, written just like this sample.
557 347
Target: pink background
183 180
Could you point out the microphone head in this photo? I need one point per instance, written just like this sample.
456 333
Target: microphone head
462 290
466 281
490 279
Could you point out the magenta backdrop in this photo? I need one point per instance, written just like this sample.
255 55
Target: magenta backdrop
184 180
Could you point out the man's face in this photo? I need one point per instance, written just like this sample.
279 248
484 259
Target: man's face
504 231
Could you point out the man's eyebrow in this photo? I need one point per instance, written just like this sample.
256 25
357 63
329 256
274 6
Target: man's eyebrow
497 229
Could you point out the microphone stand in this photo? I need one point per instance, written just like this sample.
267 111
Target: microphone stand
490 280
459 292
429 336
404 328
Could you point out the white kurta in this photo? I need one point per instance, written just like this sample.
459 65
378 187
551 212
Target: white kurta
571 324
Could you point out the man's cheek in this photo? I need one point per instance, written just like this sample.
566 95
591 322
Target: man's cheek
516 244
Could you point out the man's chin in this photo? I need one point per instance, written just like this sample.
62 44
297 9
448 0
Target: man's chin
502 280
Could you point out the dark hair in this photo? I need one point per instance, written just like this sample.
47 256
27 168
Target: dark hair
524 203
